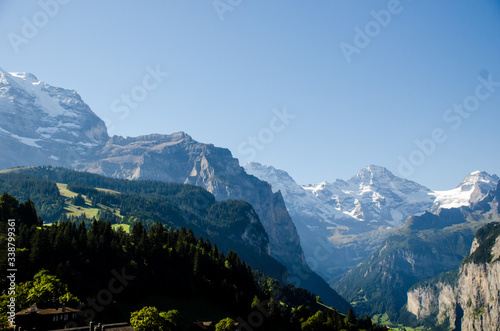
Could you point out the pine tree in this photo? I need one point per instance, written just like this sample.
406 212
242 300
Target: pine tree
351 317
79 200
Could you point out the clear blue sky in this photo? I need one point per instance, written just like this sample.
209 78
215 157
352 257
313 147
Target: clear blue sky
231 69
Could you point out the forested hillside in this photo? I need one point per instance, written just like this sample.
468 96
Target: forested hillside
233 224
160 265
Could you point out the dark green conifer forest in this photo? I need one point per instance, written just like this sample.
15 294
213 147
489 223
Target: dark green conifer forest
158 263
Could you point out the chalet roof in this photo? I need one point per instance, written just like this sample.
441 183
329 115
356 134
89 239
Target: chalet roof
118 327
47 311
204 325
113 327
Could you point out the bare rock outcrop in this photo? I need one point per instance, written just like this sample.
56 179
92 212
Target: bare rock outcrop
470 298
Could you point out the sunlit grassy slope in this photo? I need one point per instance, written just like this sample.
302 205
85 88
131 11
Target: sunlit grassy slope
72 210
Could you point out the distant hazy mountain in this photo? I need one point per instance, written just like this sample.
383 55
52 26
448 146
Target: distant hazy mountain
45 125
341 223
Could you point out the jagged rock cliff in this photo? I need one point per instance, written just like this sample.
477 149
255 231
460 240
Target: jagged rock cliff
468 299
478 295
435 301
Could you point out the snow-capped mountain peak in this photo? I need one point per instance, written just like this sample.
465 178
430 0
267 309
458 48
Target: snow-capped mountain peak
471 189
354 215
26 76
51 124
9 76
50 100
373 173
375 195
478 177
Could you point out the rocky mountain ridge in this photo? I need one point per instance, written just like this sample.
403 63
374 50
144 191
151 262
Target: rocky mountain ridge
180 159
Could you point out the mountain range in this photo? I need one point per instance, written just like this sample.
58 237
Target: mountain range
45 125
342 222
372 237
426 246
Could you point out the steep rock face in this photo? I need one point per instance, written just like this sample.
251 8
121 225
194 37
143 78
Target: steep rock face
434 300
491 202
311 221
178 158
42 124
471 299
253 236
478 288
422 301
